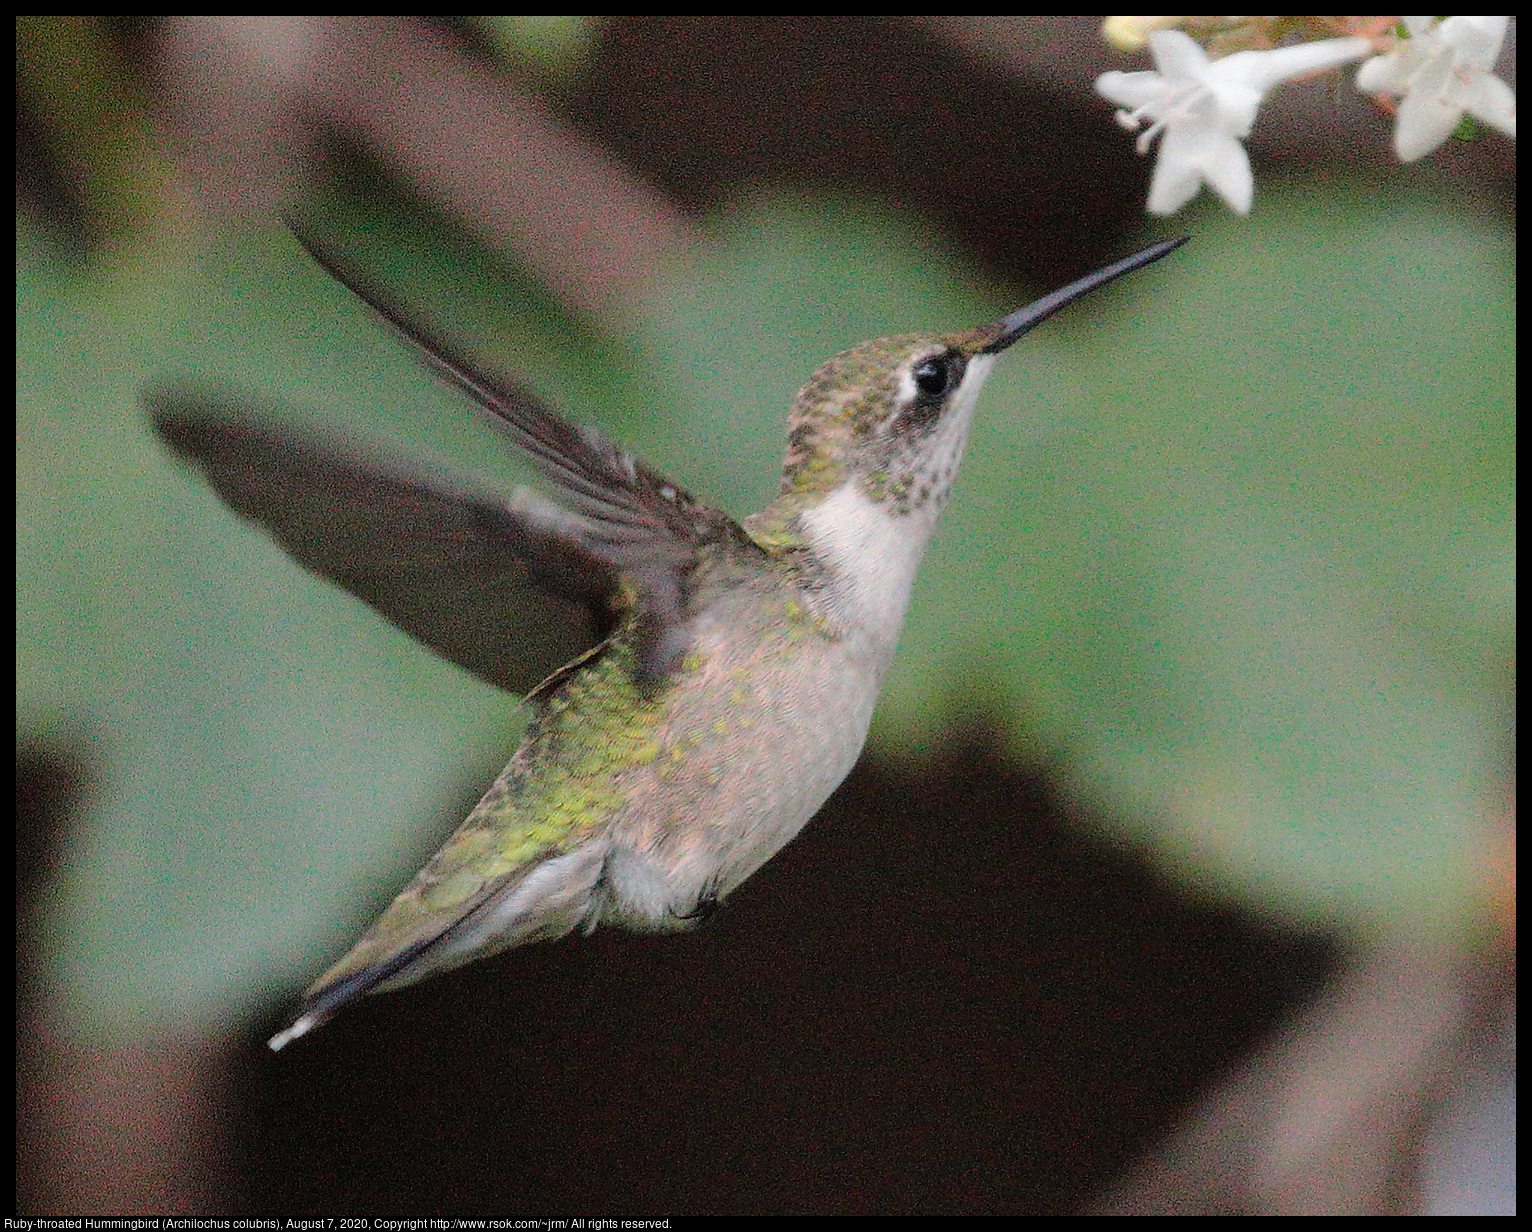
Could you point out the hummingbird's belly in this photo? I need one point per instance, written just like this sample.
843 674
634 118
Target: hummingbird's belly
755 738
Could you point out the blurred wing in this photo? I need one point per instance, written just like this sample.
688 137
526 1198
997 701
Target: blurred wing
635 519
500 589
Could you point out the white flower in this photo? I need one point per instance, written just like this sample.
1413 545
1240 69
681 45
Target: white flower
1442 70
1201 109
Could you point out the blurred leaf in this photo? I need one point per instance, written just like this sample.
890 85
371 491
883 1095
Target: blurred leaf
88 160
553 47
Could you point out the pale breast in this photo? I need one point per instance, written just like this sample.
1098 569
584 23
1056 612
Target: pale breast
768 718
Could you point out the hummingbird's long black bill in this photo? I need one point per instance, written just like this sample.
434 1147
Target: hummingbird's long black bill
1023 319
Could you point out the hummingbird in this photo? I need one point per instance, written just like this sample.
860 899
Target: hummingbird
698 685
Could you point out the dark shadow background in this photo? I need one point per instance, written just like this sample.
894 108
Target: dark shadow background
938 999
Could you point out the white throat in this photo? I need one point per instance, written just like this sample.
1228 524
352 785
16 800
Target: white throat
871 557
871 552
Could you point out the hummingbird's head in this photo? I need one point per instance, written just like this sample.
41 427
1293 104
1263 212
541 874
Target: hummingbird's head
874 441
891 416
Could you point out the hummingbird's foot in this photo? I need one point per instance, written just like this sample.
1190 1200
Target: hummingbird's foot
706 908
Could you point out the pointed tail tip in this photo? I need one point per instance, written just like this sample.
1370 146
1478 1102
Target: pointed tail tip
320 1004
323 1000
300 1026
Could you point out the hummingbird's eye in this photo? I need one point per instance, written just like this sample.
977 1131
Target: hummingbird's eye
933 376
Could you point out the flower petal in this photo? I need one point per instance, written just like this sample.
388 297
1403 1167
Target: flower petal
1132 90
1192 154
1176 54
1215 157
1489 99
1383 75
1476 41
1173 185
1261 70
1426 119
1231 178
